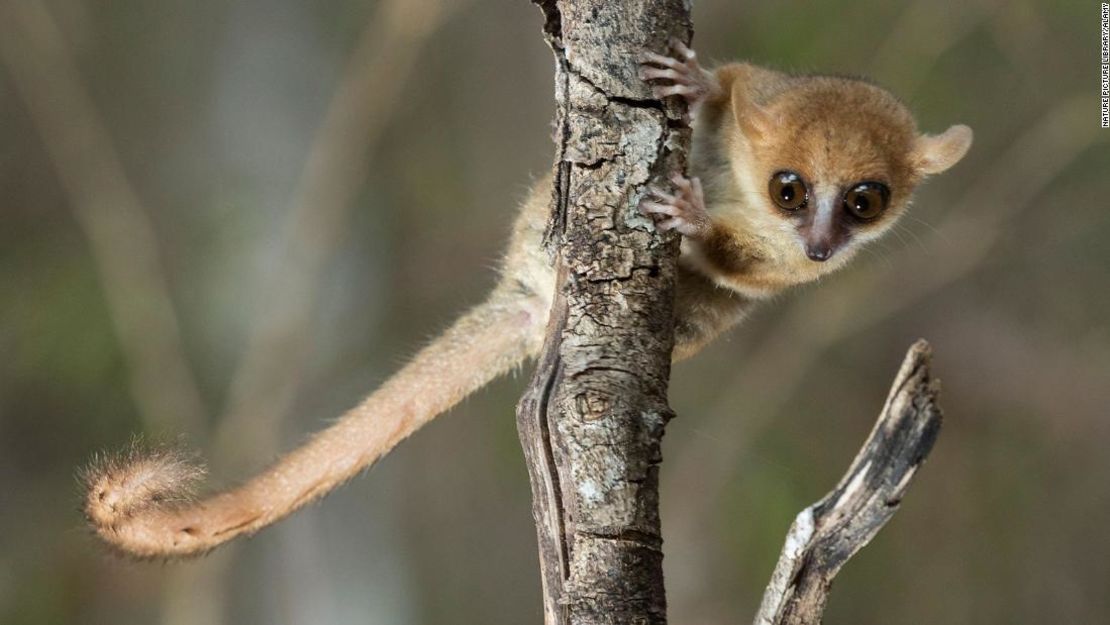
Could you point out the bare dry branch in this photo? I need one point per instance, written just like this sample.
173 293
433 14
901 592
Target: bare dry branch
825 535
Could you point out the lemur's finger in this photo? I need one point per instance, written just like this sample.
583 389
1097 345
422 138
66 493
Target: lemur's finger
682 182
669 90
648 72
698 192
656 208
683 50
661 194
669 224
660 59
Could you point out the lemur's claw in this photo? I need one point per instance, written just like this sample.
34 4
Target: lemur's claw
684 210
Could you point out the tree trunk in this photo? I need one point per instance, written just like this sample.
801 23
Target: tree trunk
593 417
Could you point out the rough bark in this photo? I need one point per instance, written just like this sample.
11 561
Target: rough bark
593 417
825 535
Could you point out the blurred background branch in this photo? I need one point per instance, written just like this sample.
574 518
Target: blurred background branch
269 375
124 245
120 235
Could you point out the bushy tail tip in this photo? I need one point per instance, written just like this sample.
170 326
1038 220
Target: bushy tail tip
120 485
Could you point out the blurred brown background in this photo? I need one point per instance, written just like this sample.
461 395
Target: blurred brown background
232 220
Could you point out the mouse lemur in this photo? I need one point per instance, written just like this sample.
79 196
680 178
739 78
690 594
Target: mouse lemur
789 177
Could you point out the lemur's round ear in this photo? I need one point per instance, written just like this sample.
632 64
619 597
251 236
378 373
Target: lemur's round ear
936 153
754 120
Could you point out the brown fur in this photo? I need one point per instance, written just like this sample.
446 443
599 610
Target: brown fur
833 131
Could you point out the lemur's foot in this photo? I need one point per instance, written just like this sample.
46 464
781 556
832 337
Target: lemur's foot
679 75
683 211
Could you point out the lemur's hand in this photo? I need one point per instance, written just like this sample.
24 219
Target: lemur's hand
679 75
683 211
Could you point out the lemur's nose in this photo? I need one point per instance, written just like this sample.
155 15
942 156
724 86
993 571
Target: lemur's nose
819 252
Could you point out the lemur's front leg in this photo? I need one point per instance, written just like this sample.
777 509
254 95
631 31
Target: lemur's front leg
680 74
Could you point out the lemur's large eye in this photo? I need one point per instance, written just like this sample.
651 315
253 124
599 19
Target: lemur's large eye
867 200
788 190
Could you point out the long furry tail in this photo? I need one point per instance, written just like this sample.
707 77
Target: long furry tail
139 503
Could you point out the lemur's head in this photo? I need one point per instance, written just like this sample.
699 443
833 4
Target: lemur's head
836 161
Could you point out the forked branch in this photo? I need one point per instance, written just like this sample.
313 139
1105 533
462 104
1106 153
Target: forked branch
825 535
